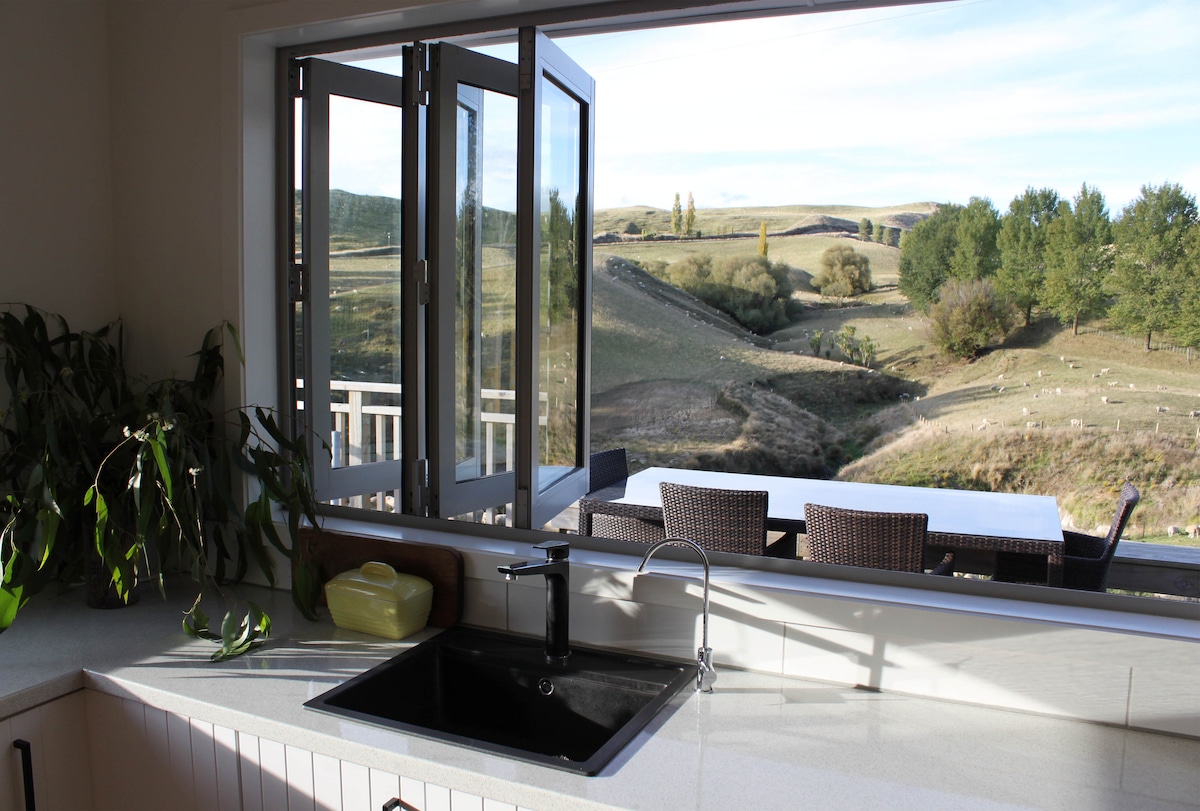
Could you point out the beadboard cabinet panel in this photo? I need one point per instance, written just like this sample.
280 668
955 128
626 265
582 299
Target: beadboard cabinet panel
327 782
250 772
273 761
228 782
168 760
57 736
384 787
10 771
299 765
356 787
179 744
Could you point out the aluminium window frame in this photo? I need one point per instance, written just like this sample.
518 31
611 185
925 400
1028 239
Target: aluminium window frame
600 17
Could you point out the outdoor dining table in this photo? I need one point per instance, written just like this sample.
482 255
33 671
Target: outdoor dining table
960 520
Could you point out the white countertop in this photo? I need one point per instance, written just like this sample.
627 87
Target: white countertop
757 742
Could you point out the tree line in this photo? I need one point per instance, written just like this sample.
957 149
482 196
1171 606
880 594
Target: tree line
971 268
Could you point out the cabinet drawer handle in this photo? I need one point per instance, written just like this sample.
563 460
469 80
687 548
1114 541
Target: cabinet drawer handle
26 772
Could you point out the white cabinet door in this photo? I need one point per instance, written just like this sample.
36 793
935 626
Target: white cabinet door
58 744
161 759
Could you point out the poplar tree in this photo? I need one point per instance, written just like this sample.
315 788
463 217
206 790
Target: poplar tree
864 229
976 255
926 253
689 219
1078 258
1150 277
676 216
1022 245
762 239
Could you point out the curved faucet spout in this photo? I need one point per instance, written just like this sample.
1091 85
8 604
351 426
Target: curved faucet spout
705 674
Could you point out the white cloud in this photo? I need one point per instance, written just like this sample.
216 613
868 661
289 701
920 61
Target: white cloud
961 98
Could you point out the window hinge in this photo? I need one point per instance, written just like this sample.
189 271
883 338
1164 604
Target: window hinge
297 278
423 80
522 508
416 72
422 276
525 73
295 81
420 486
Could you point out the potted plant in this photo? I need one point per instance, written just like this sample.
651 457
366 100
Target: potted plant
130 478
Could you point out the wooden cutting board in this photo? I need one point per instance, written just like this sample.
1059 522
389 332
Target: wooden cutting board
337 552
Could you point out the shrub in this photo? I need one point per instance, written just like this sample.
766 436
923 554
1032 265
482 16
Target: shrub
844 272
751 289
968 316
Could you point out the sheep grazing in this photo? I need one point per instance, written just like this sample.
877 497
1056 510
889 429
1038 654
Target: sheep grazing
1105 371
1076 423
1194 414
1173 531
1104 400
1193 530
1161 409
1024 412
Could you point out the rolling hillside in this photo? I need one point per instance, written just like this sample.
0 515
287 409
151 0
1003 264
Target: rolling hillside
678 384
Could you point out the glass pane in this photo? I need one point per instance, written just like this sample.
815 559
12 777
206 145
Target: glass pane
485 284
558 325
364 282
298 257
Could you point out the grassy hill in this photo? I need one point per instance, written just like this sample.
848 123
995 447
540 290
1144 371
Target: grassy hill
1046 412
721 221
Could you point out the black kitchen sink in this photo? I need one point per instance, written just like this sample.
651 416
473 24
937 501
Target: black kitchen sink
495 692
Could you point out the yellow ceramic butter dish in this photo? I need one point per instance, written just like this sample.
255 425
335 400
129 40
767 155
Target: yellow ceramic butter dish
375 599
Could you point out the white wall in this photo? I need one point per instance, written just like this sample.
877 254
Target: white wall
56 249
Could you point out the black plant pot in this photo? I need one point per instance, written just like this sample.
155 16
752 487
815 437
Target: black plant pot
101 592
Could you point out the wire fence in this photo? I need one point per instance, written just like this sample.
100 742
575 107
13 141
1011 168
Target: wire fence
1157 346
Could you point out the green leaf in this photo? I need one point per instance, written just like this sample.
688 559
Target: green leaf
195 623
306 587
158 446
239 635
11 597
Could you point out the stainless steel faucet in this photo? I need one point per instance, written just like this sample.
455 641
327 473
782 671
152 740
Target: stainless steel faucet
705 675
556 570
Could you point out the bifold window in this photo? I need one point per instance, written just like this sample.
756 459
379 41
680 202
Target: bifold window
441 301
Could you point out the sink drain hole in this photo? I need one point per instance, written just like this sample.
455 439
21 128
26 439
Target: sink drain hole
545 687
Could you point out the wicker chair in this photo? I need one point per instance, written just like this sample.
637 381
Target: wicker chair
875 540
719 520
607 468
625 522
1086 560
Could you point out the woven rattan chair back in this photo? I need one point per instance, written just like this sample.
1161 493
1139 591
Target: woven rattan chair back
1129 499
625 522
606 468
1088 558
719 520
876 540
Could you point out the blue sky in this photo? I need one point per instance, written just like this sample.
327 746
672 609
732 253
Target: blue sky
935 102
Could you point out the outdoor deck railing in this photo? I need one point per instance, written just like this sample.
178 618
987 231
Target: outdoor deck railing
365 431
